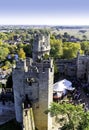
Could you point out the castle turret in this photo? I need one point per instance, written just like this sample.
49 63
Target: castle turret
41 46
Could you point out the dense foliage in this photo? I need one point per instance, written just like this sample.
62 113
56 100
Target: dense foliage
71 117
65 50
19 41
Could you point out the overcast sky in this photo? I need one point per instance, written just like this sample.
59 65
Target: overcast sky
44 12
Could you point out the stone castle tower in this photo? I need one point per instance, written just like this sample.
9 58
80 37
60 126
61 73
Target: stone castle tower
41 46
33 83
83 67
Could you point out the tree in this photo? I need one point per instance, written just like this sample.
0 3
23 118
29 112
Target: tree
84 37
23 36
12 48
46 56
21 54
28 50
1 42
70 50
3 36
73 117
11 36
3 53
85 47
8 64
66 35
20 45
56 48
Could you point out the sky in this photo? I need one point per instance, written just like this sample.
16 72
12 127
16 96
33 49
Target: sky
44 12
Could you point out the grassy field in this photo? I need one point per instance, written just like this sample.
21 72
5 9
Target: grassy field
11 125
74 32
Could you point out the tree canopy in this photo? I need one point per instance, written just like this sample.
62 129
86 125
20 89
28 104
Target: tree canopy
70 50
65 50
73 117
3 53
21 54
56 48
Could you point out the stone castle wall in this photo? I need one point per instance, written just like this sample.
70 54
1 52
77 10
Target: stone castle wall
35 80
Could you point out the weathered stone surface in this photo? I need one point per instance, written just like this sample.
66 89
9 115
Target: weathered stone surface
36 81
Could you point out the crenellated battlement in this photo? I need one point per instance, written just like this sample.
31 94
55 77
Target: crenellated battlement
44 63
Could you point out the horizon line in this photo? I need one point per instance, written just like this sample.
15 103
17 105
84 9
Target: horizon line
41 25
